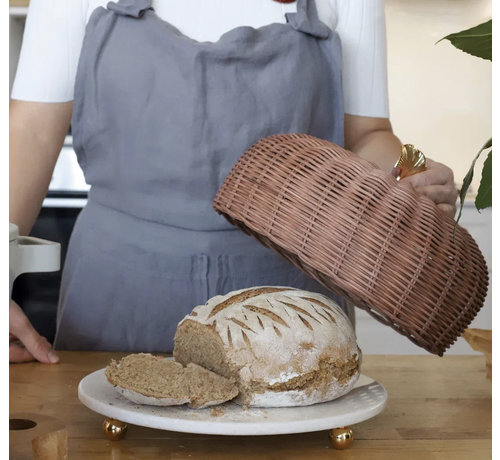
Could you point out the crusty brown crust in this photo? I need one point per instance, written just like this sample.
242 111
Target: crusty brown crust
244 335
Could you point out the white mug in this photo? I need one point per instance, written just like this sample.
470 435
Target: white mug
28 254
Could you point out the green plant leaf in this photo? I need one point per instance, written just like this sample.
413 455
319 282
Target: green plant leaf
467 181
475 41
483 198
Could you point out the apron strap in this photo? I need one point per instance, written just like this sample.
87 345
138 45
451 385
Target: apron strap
134 8
306 19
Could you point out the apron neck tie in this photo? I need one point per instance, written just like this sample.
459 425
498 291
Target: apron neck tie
133 8
306 19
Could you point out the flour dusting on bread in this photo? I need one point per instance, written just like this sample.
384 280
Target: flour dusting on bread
283 346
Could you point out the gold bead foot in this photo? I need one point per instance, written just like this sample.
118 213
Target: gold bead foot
341 438
114 429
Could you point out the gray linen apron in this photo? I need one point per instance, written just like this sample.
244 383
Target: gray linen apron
159 120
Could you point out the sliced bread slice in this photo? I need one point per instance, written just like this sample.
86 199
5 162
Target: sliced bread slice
206 388
158 381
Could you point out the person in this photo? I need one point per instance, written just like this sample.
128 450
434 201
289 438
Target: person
163 97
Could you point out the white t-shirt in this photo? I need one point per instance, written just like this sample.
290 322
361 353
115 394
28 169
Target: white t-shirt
55 28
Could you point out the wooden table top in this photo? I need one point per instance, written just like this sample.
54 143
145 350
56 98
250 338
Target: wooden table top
438 408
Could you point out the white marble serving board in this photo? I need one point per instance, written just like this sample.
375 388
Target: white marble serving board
367 399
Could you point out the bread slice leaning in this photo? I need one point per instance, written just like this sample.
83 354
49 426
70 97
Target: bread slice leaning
154 380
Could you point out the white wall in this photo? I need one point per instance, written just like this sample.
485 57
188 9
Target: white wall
440 100
439 96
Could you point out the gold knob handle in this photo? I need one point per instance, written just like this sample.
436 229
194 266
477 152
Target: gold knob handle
411 161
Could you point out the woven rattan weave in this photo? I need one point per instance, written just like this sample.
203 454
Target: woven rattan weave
360 233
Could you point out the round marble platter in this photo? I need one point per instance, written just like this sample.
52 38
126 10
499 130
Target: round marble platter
367 399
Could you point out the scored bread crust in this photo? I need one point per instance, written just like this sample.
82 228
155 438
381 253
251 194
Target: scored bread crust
284 346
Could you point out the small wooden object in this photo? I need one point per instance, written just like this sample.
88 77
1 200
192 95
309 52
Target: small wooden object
480 340
38 437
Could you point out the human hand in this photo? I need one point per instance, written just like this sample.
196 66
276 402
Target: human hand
437 183
25 344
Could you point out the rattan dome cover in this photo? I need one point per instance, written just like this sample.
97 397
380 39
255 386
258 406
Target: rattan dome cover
360 233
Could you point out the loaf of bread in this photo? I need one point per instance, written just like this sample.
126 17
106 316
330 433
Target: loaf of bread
154 380
282 346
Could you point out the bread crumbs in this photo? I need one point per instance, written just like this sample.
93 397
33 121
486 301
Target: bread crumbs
217 411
